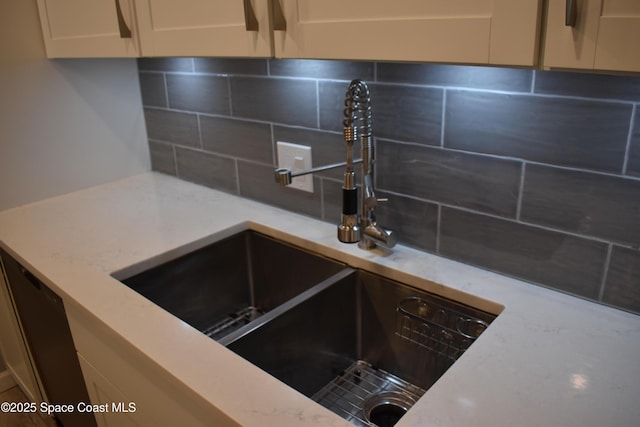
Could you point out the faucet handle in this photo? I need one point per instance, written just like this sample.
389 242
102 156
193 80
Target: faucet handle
372 201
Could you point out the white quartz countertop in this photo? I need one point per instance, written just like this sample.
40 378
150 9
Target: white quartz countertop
548 359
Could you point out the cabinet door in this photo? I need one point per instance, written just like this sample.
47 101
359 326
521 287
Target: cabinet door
114 409
606 35
119 373
464 31
204 27
48 337
13 347
88 28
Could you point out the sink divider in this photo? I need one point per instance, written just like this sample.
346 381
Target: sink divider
284 307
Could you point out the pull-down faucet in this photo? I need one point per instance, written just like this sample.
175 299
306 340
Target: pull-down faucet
358 224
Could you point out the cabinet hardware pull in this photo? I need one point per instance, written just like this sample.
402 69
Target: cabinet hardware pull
571 14
125 32
279 21
250 21
30 277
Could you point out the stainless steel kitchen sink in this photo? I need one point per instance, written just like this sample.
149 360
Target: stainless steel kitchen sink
365 347
362 345
229 283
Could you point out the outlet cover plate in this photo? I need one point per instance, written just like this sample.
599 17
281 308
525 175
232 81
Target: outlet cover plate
296 157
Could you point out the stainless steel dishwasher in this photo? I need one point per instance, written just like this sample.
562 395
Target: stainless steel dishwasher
47 334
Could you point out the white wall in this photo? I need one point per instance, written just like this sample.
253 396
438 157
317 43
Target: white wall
64 124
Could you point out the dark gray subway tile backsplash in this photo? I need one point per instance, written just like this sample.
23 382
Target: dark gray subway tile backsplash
207 169
602 206
551 258
413 219
221 135
472 77
162 157
256 67
561 131
202 93
287 101
322 69
166 64
586 85
533 174
412 114
482 183
172 126
153 89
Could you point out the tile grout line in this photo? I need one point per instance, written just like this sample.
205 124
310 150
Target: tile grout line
175 160
274 151
318 104
521 191
201 144
237 168
443 117
166 90
533 82
322 213
230 96
627 151
438 226
605 273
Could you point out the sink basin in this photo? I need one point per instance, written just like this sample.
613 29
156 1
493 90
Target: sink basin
365 347
362 345
227 284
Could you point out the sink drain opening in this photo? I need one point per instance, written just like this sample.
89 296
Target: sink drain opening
385 409
386 415
366 396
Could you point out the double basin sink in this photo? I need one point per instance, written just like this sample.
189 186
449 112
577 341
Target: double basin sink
364 346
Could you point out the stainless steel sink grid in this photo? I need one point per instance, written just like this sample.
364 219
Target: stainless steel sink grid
232 322
366 396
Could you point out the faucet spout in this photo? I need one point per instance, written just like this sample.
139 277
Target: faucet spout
376 235
284 176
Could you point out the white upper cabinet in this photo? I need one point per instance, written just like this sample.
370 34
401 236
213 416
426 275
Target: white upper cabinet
459 31
204 27
88 28
126 28
605 35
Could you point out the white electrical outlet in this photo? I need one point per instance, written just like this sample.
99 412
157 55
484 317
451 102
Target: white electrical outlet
296 157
